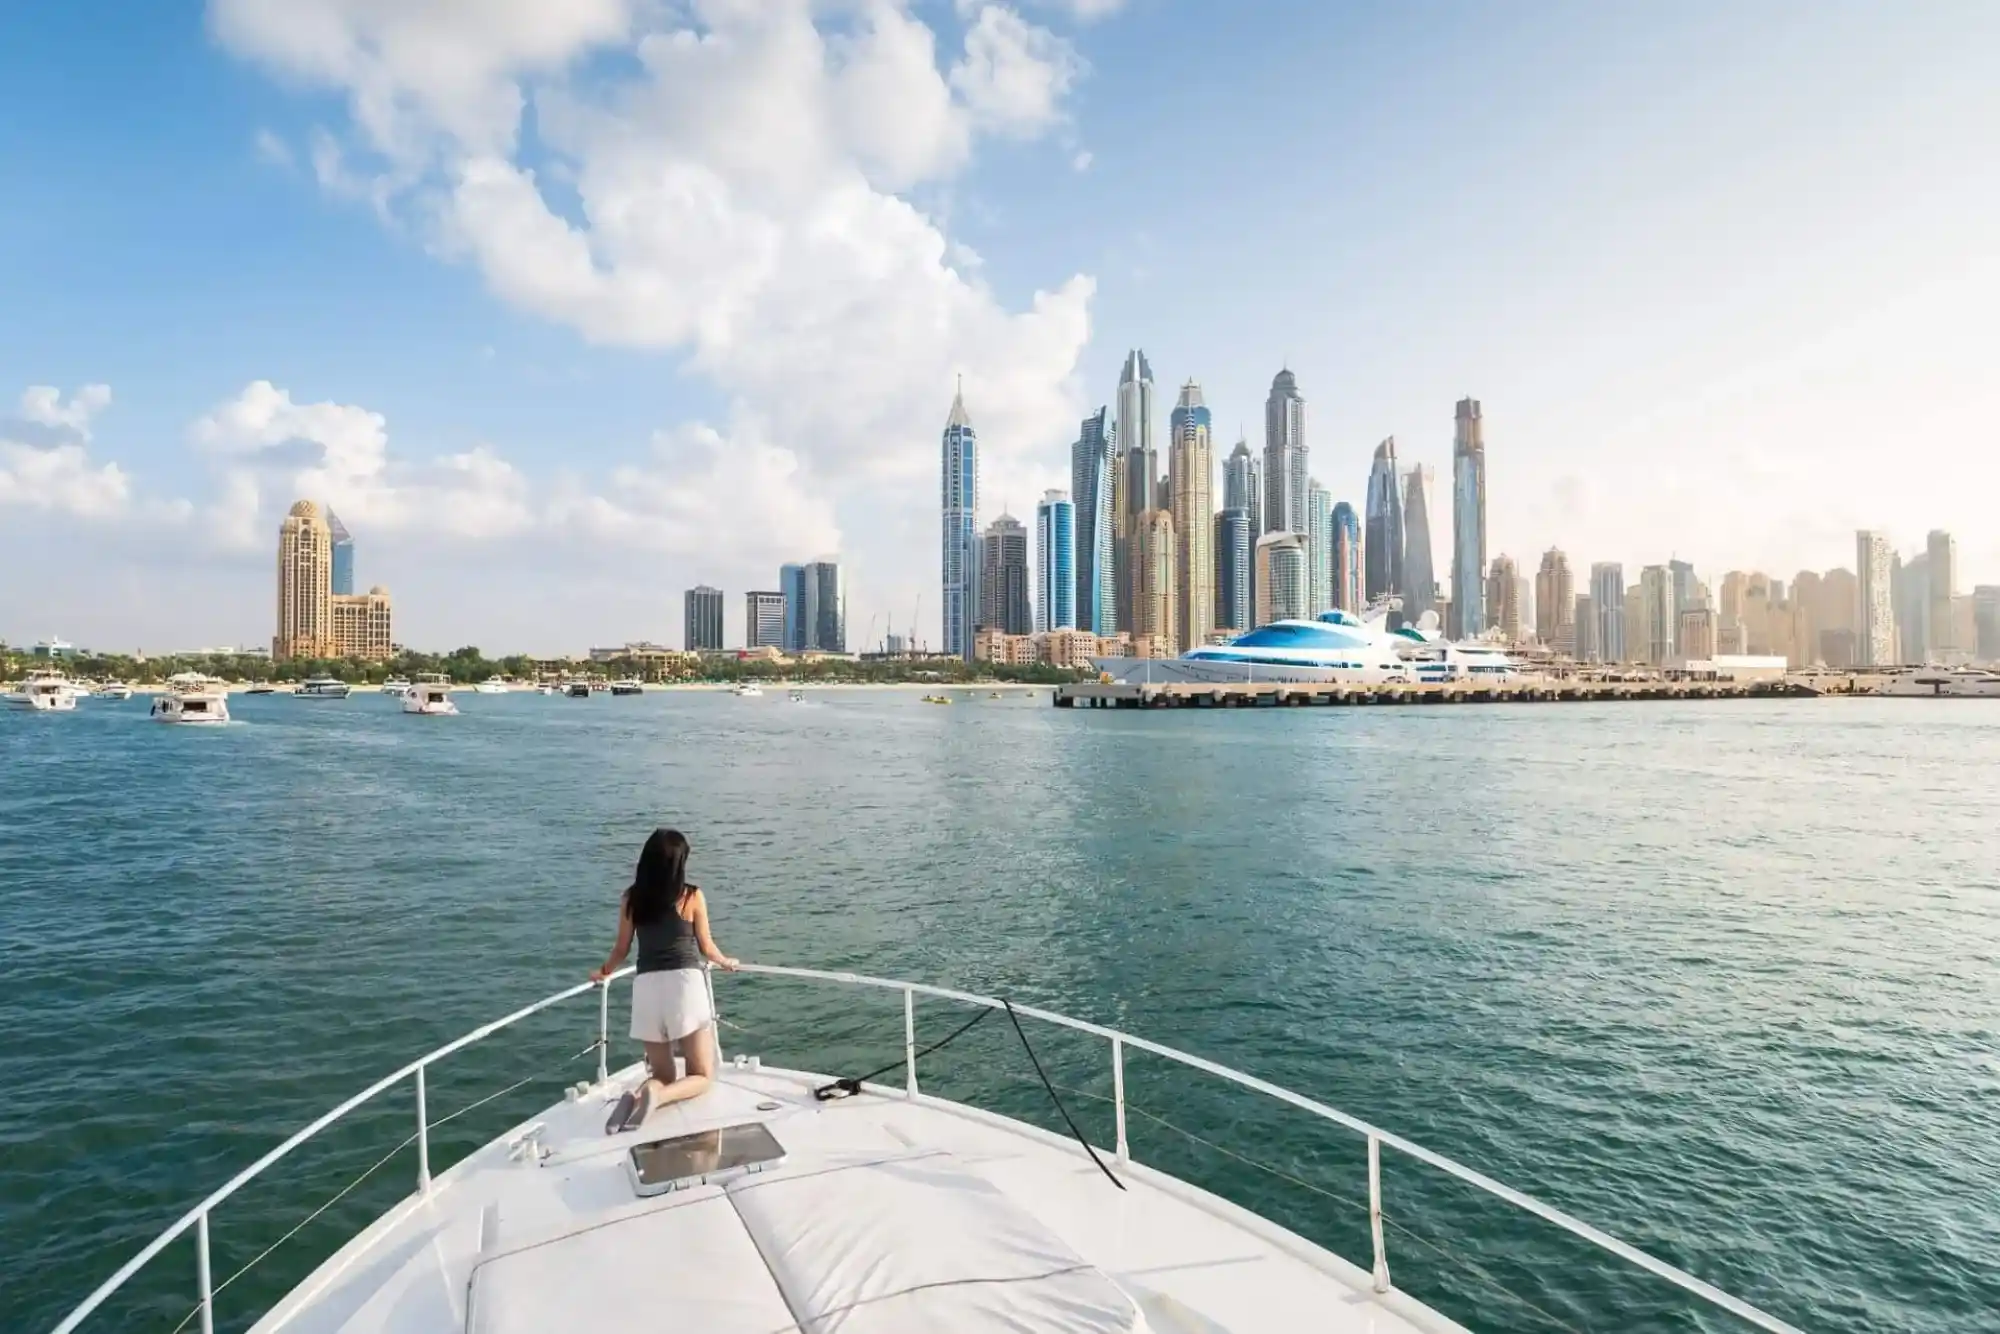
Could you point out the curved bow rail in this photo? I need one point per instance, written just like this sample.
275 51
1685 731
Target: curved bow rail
196 1219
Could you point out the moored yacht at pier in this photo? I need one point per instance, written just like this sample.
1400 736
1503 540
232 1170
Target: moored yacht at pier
1337 647
1941 683
785 1201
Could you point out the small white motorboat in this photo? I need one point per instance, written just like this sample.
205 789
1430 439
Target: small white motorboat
749 690
429 697
628 686
192 698
492 685
322 687
44 691
113 690
546 689
395 685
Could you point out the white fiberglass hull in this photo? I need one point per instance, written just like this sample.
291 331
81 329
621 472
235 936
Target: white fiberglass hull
1224 672
42 701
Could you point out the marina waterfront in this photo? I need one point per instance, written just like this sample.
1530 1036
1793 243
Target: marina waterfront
1722 977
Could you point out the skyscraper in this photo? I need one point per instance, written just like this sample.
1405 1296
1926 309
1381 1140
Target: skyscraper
1417 570
1282 578
1607 604
1468 519
1383 506
1913 607
960 498
305 585
1285 456
1154 566
702 619
1243 489
829 623
1688 594
1661 630
1137 466
1503 597
1055 562
1554 596
1191 477
1319 547
815 607
1585 649
343 555
1942 557
764 620
1090 469
1986 621
1234 542
798 592
1347 558
1004 601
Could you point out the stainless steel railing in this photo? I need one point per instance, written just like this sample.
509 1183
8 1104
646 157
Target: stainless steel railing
1376 1138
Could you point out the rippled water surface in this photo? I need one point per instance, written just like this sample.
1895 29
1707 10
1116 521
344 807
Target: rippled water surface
1723 979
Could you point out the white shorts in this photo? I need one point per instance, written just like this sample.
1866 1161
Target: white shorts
670 1004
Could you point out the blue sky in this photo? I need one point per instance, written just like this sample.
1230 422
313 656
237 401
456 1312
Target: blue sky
568 308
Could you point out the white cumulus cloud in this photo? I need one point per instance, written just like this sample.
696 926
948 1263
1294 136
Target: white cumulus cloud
45 461
743 190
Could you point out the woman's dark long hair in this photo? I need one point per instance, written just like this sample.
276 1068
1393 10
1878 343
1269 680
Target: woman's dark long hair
660 882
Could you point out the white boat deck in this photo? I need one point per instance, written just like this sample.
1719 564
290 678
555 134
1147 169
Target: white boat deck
881 1217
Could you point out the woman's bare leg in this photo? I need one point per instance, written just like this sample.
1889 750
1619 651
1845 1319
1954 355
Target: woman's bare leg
698 1049
659 1078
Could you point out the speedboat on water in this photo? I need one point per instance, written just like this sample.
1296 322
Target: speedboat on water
430 698
192 698
395 685
1337 647
628 686
322 687
749 690
492 685
789 1202
113 690
44 691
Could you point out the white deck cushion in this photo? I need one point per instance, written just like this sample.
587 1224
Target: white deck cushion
916 1244
681 1265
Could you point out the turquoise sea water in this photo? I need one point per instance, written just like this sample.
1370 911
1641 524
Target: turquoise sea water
1721 978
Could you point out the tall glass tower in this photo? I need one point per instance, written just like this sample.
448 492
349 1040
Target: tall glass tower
961 533
343 556
1346 558
1468 521
1319 547
1285 457
1243 489
1383 549
1234 607
1090 464
1138 469
1055 562
1419 570
1607 605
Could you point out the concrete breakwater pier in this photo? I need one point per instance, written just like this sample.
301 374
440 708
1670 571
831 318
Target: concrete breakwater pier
1245 695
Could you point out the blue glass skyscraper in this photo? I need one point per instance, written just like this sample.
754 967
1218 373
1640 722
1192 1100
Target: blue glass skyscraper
1347 560
1090 464
1235 608
960 497
1055 562
343 555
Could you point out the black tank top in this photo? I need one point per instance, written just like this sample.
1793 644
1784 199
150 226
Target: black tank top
667 942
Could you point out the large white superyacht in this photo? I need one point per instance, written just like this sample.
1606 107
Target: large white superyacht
783 1200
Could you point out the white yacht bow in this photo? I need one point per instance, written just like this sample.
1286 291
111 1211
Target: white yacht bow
890 1212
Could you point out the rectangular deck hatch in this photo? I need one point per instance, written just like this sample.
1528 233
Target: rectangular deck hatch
662 1165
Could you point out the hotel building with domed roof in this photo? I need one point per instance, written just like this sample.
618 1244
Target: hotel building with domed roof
313 620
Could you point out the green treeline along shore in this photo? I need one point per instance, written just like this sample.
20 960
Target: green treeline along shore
469 665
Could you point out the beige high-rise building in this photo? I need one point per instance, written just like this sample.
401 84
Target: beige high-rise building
1503 598
1153 569
1555 597
1659 617
1697 634
1283 581
1839 601
1191 491
362 627
1875 607
1635 626
1804 610
1942 552
305 586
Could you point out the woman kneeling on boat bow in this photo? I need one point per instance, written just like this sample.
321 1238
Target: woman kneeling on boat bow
670 1001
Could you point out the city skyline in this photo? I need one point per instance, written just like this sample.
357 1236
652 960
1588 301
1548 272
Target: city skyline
568 375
